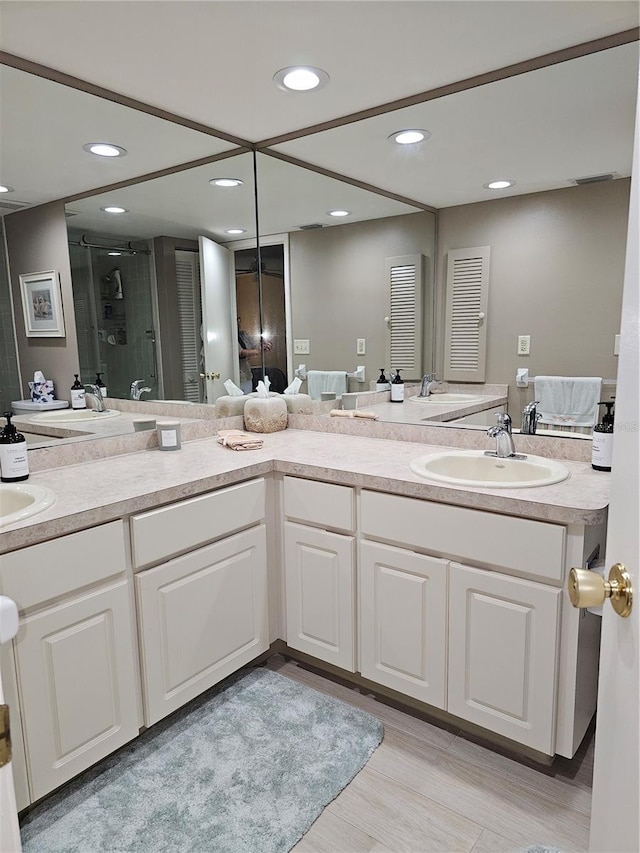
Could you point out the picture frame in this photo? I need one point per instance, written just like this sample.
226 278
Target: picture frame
42 304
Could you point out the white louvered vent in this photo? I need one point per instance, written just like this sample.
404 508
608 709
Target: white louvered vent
466 314
406 295
188 291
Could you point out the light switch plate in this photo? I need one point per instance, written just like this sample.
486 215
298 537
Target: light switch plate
524 344
616 345
361 346
301 347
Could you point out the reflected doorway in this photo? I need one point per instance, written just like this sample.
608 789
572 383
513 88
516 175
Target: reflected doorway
274 325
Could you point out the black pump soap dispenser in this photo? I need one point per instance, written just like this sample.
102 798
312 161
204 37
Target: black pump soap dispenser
100 384
602 443
397 389
77 394
14 465
382 383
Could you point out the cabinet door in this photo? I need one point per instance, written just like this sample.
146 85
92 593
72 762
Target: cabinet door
503 642
76 667
201 617
403 621
320 597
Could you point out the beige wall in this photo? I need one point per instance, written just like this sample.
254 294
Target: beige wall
37 242
339 290
557 267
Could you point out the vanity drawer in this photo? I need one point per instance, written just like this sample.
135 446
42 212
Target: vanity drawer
322 504
174 529
519 544
61 566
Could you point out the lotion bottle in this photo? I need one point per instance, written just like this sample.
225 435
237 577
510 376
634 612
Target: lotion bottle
77 394
14 465
397 389
602 443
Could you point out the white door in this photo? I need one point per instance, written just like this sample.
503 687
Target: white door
615 821
9 830
219 333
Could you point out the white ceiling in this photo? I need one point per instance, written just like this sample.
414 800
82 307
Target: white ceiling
213 62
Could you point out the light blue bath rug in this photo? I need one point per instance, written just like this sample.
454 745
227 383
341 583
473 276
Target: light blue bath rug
246 770
541 848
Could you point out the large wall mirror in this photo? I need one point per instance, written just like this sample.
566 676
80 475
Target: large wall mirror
319 292
557 238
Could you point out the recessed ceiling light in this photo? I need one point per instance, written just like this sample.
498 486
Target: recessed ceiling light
226 182
104 149
499 185
339 212
4 189
114 209
300 78
235 231
410 136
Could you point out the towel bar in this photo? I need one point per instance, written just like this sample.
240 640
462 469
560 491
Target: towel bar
358 374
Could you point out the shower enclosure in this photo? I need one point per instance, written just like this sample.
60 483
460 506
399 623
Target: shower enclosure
114 302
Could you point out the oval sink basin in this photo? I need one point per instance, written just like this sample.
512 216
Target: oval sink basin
22 500
473 468
450 399
72 416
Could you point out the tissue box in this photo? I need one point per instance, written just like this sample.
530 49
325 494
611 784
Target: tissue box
268 414
42 392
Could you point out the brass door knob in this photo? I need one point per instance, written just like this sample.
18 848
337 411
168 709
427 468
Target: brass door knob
589 589
210 376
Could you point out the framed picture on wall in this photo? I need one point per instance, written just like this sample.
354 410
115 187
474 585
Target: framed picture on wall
42 304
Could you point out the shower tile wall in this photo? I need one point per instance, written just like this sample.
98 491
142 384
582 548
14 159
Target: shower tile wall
9 376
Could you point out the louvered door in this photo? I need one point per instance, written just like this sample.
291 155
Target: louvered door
466 314
405 341
188 291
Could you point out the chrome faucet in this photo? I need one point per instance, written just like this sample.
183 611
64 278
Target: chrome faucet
136 390
504 439
429 382
93 395
530 418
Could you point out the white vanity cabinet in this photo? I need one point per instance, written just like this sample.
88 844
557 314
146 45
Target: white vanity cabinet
403 621
203 611
503 651
75 658
466 611
319 564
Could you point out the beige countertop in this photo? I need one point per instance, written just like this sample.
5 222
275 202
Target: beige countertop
412 412
105 489
82 430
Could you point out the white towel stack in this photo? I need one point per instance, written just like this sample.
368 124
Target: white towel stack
569 401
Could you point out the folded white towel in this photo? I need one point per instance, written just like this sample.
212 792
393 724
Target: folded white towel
568 400
326 380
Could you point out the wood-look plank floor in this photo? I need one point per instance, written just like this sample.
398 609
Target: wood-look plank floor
432 788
